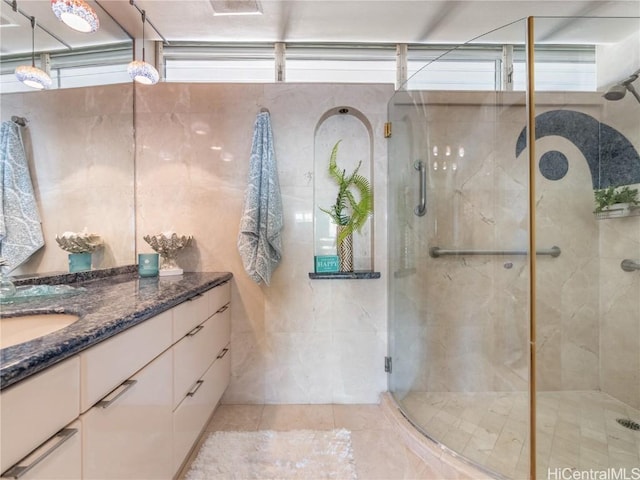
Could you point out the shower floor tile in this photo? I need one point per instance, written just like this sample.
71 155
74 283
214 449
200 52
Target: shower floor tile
576 430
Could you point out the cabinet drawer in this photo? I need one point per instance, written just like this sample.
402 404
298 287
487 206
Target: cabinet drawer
189 314
130 436
36 408
111 362
196 352
219 296
192 414
59 458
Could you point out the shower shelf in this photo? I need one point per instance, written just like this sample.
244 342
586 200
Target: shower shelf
357 275
629 211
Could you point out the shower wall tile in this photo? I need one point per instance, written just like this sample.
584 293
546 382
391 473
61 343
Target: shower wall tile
620 310
297 340
474 335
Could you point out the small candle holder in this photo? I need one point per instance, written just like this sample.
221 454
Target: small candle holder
80 247
168 245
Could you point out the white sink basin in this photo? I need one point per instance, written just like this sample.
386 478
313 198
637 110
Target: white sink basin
15 330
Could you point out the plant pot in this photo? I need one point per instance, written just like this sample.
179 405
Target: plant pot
345 252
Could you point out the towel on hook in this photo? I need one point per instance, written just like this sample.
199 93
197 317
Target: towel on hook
20 228
259 240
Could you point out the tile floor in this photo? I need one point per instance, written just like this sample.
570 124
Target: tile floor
576 430
378 450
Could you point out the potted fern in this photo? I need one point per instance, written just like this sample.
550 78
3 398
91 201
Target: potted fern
615 202
352 208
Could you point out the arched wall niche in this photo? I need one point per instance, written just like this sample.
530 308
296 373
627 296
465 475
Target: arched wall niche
352 128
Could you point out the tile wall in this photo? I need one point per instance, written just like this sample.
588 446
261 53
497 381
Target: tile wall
313 341
296 340
465 326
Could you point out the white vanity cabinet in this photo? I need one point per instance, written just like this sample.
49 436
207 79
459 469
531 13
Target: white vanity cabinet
127 383
33 413
59 458
127 435
106 365
129 407
201 367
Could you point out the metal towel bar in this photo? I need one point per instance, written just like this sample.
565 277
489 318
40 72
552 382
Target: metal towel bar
439 252
629 265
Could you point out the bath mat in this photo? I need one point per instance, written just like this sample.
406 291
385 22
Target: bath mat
266 454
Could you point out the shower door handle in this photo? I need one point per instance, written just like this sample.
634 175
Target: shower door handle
421 208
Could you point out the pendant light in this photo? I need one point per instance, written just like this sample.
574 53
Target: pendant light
30 75
76 14
141 71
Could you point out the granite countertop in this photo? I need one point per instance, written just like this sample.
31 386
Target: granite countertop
108 306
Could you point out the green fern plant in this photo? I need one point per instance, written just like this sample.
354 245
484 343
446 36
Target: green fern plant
354 202
609 196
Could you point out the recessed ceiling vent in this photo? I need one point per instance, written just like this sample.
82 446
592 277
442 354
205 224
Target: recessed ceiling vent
236 7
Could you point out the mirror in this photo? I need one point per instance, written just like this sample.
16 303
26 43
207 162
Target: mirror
80 147
78 141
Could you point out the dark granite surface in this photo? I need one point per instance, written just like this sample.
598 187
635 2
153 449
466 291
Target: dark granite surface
110 305
60 278
357 275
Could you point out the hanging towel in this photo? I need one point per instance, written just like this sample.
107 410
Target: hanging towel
20 228
259 240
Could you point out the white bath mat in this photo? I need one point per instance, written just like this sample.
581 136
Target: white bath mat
266 454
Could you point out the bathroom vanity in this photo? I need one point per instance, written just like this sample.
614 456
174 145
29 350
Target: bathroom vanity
126 390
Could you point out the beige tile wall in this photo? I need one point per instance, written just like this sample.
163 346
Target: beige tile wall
471 328
306 341
297 340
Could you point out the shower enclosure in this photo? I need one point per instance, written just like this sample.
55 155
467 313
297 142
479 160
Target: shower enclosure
527 365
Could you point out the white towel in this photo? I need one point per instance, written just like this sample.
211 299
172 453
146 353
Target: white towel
20 228
259 240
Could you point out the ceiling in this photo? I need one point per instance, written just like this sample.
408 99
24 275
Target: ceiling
345 21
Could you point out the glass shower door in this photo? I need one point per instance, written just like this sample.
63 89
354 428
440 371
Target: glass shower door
459 277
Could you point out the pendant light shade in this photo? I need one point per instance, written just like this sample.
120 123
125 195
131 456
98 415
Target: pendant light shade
30 75
77 14
141 71
33 77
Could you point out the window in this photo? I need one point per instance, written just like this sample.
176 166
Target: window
439 67
75 69
219 63
340 63
558 68
479 67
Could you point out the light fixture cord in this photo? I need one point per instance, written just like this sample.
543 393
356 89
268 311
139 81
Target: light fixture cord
144 17
33 41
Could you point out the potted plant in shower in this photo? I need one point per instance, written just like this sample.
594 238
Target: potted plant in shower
352 208
614 202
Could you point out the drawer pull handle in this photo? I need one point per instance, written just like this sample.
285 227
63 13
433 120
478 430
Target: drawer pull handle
223 308
107 403
223 353
63 435
195 330
197 295
195 389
